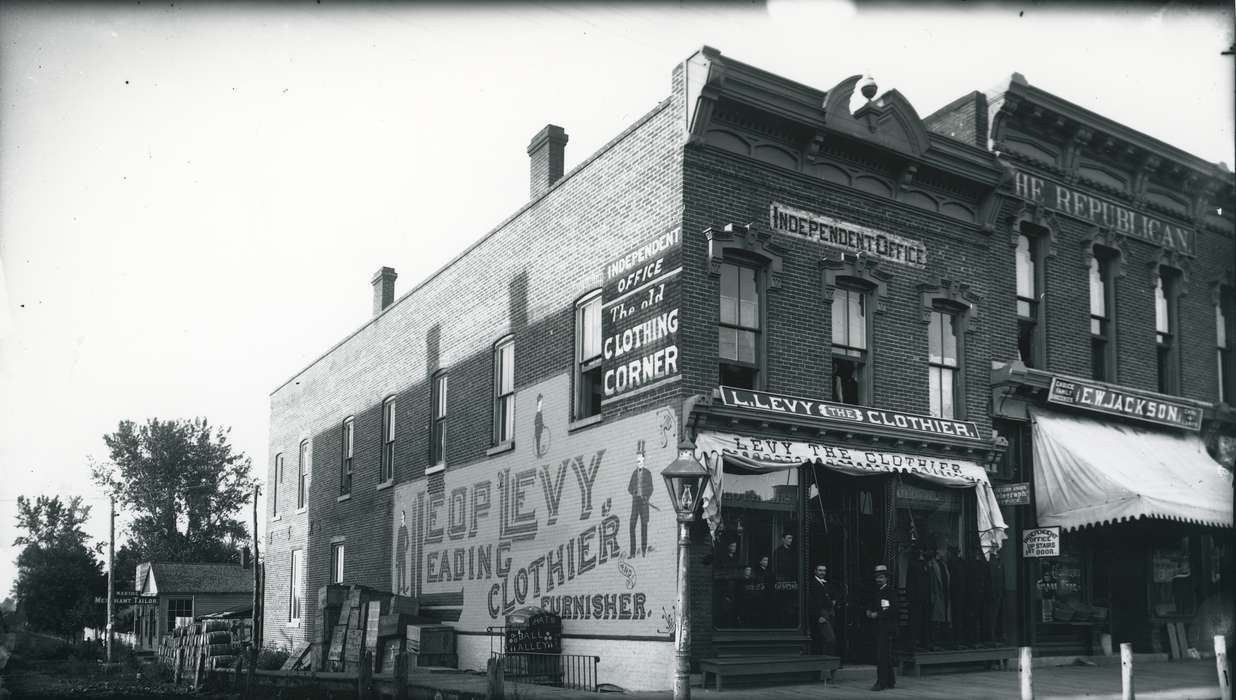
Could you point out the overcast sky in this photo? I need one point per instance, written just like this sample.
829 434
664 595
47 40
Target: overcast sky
193 198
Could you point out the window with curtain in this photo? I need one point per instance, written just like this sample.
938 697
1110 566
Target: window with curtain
1027 299
504 391
437 445
345 465
588 390
942 364
1100 320
388 439
849 344
336 562
296 586
1166 340
302 477
739 328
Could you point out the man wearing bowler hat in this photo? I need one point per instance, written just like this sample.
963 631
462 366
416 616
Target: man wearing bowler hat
882 610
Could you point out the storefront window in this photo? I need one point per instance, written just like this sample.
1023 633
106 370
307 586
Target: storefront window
1171 579
757 567
1062 587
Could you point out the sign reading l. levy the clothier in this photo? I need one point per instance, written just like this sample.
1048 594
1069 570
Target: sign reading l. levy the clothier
845 235
639 316
1152 408
1041 542
814 408
1100 211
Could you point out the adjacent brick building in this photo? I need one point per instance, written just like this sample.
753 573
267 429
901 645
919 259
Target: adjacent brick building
814 293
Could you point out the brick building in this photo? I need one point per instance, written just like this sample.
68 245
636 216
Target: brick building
811 285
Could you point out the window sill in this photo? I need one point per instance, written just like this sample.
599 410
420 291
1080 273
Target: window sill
386 484
500 448
276 517
584 423
344 497
293 623
302 509
436 469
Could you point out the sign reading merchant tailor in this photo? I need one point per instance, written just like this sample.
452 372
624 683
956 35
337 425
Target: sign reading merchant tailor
814 408
639 317
851 237
1122 402
575 523
1087 207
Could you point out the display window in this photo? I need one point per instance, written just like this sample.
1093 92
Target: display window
1172 581
757 568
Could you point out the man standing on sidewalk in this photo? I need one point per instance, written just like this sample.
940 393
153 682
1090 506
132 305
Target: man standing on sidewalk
882 611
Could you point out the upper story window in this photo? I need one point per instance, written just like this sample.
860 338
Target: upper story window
274 492
942 364
437 443
1165 330
738 332
296 586
851 330
1223 345
504 391
336 562
388 440
345 464
1102 303
302 475
1028 295
588 389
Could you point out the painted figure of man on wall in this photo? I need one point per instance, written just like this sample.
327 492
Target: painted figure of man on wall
640 488
403 583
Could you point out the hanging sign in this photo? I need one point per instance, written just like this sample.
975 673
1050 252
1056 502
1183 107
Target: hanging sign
1104 213
1041 542
1152 408
845 235
1015 494
814 408
639 317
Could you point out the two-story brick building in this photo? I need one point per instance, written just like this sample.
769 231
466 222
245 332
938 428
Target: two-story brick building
811 285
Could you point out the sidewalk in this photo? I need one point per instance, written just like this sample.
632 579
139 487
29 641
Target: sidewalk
1182 680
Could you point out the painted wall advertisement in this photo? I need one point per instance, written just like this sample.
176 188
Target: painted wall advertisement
847 236
578 524
639 317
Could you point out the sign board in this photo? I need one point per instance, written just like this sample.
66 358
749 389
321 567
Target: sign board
1101 398
1080 205
875 417
1041 542
846 236
533 630
128 600
639 317
1015 494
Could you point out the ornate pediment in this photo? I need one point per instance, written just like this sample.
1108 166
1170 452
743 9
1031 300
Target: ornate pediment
889 121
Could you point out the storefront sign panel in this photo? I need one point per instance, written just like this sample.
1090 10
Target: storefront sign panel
639 316
575 523
1041 542
854 238
814 408
127 600
1120 402
1087 207
1016 494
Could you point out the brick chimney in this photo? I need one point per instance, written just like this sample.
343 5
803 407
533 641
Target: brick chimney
383 289
546 154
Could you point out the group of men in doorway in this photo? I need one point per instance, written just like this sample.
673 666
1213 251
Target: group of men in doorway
878 607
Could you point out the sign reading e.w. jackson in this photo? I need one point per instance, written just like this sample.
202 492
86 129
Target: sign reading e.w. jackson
1123 402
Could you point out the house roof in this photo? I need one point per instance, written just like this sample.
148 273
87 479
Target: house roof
198 578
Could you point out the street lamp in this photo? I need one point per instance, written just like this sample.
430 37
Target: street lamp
684 478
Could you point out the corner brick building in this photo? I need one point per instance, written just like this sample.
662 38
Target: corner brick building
811 286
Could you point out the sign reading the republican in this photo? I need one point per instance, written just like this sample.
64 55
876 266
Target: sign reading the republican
814 408
1041 542
1122 402
847 236
639 317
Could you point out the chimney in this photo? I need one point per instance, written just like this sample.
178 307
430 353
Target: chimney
546 154
383 289
244 557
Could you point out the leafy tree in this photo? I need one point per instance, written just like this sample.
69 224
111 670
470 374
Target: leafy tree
184 484
57 573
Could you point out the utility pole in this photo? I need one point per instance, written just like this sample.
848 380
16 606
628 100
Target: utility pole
111 569
255 633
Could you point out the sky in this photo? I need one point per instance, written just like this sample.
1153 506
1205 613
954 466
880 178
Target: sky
194 197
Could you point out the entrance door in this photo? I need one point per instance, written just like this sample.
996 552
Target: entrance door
847 533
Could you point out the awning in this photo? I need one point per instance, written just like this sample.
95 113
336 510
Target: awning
1089 472
767 455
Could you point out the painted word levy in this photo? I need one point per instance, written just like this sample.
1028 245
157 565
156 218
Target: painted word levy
575 523
639 316
1080 205
847 236
1121 402
1041 542
875 417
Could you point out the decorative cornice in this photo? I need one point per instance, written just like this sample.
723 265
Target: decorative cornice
1037 215
864 270
957 295
744 241
1105 237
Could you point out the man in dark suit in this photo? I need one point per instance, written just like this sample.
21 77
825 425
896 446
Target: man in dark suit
640 488
882 611
822 596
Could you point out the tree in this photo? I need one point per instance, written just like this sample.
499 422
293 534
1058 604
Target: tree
183 483
57 573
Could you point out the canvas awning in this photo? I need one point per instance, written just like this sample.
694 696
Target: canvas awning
1088 472
767 455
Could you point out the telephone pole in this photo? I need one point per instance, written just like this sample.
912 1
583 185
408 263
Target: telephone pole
111 569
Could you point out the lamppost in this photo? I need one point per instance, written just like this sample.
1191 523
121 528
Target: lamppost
684 478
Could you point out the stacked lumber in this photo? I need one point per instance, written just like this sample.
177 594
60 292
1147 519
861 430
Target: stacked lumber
207 644
355 620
